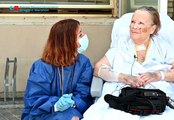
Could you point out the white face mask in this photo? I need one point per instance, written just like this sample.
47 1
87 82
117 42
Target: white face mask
83 44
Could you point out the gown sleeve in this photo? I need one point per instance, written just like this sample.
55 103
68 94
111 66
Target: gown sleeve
37 96
82 95
110 54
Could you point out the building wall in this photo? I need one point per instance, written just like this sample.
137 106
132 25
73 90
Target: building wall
24 37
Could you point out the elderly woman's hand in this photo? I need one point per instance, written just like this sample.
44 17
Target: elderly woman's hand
169 75
148 77
128 79
172 66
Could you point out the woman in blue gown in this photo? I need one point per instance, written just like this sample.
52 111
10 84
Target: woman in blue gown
58 86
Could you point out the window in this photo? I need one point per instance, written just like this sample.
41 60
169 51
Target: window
130 5
57 6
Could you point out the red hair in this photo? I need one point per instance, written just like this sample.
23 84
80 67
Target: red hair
61 46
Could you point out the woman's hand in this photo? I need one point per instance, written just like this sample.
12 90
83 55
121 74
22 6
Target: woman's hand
75 118
128 79
148 77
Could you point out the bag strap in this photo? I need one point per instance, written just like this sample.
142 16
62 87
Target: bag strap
144 100
170 102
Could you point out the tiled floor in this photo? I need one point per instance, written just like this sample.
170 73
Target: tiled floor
10 111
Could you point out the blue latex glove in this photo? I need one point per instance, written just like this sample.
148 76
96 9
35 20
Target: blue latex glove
64 102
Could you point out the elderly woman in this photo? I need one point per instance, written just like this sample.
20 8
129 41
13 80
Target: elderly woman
139 61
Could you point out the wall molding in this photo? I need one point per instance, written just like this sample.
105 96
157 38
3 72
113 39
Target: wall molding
49 19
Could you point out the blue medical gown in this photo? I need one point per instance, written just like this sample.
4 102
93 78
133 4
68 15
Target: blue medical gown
43 90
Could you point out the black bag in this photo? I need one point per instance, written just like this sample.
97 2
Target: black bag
139 101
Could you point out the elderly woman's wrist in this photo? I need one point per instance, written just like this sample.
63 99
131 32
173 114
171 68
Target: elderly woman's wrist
161 75
120 77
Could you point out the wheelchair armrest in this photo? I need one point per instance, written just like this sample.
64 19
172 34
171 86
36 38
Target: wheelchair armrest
96 87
